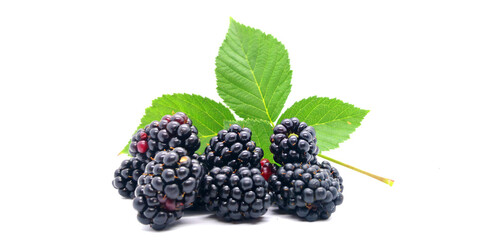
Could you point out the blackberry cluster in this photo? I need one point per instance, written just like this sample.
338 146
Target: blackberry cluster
311 190
234 148
236 195
126 176
170 132
168 186
293 141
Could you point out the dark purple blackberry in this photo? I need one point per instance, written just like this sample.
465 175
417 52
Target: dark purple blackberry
126 176
236 195
198 204
293 141
168 186
234 148
168 133
310 190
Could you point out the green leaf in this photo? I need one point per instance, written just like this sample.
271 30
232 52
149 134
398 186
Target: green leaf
261 131
207 115
332 119
253 73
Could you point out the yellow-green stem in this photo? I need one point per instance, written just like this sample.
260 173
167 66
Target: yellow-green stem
382 179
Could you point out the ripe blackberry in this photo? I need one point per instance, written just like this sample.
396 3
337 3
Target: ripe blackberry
198 204
293 141
311 190
168 186
234 148
126 176
170 132
236 195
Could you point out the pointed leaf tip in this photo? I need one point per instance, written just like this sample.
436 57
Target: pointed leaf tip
333 119
253 73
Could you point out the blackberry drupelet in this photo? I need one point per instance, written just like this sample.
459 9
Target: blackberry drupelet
168 186
236 195
234 148
293 141
201 159
126 176
170 132
311 190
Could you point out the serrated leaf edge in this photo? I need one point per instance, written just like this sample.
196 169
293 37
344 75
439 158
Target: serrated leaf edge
252 70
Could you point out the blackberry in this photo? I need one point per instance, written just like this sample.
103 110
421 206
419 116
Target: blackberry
236 195
311 190
198 204
170 132
234 148
293 141
168 186
126 176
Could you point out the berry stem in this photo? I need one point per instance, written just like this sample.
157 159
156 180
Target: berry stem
382 179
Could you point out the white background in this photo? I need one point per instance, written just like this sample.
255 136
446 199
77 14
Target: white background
76 77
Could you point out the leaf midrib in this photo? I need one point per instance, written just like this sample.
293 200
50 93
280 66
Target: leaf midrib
256 82
208 136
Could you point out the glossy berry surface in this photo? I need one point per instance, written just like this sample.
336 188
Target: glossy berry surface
293 141
198 204
126 176
169 185
310 190
170 132
236 195
234 148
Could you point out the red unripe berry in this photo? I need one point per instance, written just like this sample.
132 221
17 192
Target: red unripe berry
170 204
266 172
142 146
263 161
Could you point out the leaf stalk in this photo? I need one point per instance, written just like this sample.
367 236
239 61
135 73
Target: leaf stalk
381 179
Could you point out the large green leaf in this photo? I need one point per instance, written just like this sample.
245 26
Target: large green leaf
261 131
253 73
207 115
332 119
